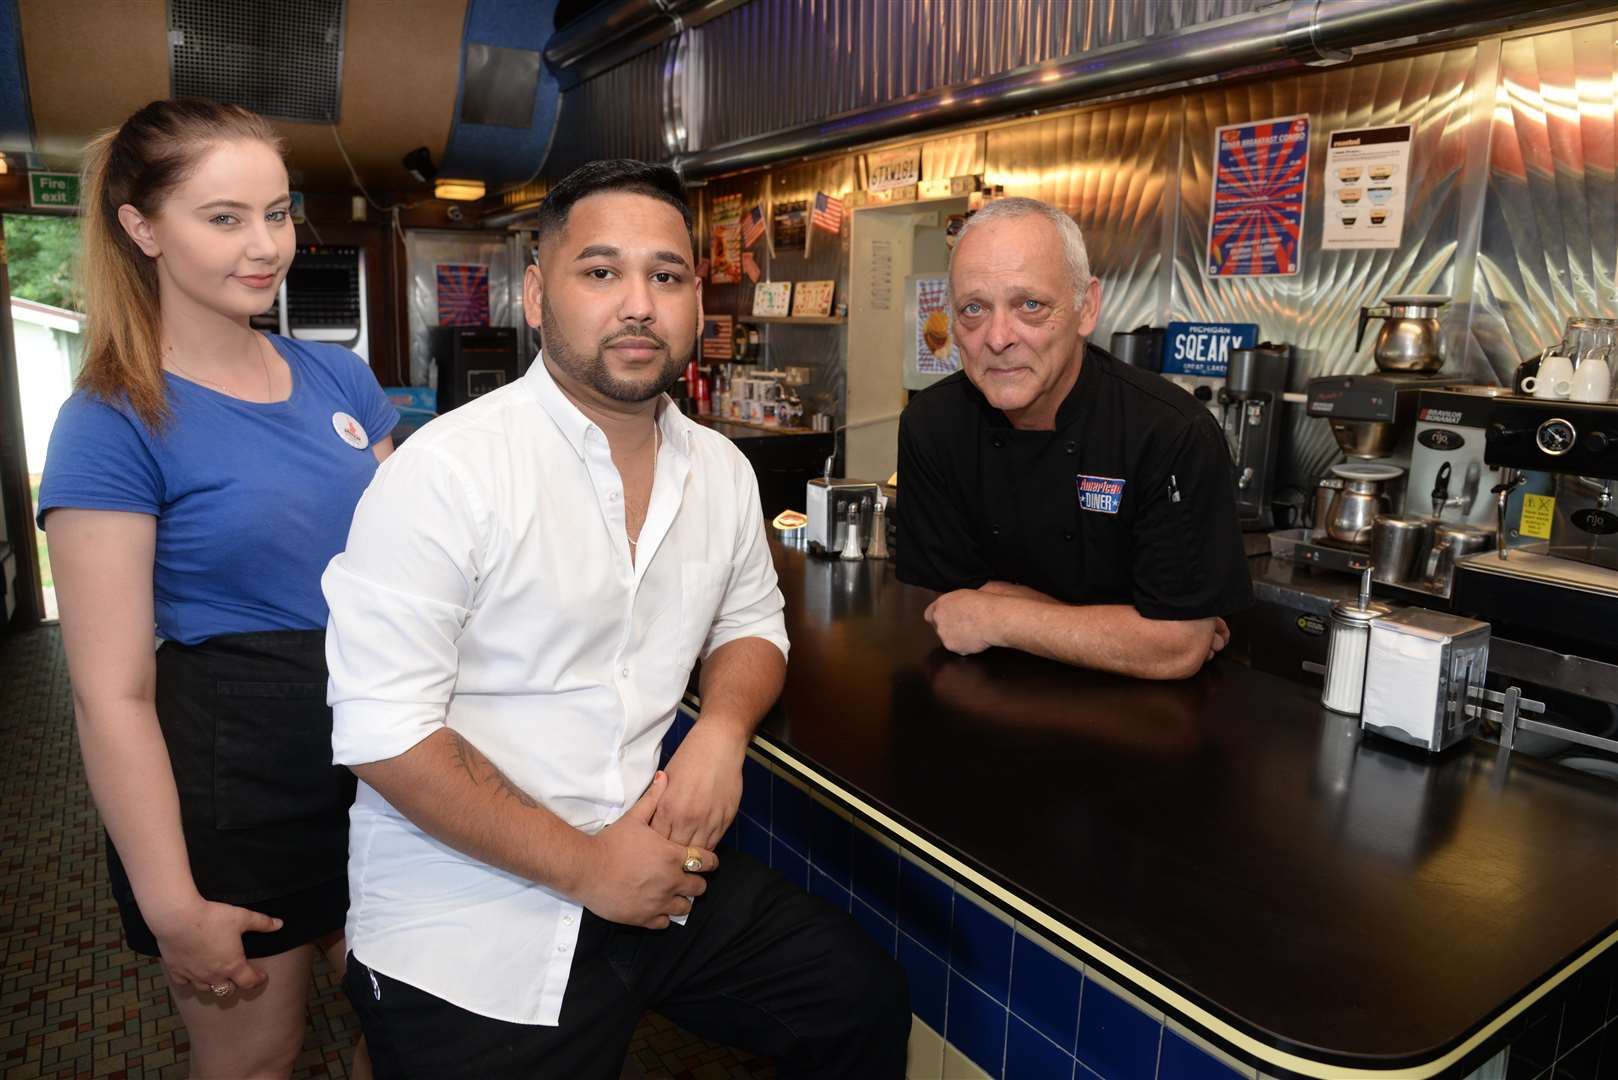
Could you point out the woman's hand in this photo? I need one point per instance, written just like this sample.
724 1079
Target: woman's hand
201 944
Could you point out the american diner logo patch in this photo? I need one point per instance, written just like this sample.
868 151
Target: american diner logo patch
1102 494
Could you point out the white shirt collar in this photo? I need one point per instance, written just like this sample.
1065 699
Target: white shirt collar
677 429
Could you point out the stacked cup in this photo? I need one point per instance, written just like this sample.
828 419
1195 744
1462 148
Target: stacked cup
1581 367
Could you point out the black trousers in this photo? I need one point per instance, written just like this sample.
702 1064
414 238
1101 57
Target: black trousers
760 965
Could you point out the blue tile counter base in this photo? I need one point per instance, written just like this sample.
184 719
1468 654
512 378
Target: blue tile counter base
1022 1007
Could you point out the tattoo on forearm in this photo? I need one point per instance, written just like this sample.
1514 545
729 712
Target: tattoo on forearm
483 772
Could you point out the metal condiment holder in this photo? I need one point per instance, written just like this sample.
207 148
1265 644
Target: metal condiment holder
1510 718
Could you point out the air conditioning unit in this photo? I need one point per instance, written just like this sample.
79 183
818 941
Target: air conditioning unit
323 297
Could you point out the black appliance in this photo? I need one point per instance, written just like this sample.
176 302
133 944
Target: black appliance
472 360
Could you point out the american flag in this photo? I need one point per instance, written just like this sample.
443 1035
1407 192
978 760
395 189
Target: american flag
753 226
828 213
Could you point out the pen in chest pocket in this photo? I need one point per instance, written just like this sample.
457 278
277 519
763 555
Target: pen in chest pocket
1174 488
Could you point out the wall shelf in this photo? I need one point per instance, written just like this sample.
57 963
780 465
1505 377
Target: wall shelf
793 320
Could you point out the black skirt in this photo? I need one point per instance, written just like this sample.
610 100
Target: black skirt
263 809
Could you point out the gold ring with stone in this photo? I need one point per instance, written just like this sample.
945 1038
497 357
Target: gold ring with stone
693 860
221 989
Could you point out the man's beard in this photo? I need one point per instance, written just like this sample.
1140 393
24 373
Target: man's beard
592 370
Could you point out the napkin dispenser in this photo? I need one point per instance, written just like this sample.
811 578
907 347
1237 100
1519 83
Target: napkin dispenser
1421 669
826 505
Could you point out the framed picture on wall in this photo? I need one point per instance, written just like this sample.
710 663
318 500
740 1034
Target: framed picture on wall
790 221
812 298
772 298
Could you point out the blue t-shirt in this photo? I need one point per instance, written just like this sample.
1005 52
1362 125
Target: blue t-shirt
252 500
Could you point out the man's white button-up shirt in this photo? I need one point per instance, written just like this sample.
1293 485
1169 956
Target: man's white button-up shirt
488 587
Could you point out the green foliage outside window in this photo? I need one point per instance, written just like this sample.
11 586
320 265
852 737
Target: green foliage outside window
41 255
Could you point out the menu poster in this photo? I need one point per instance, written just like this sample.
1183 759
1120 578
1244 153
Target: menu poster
717 334
813 298
726 249
934 351
791 224
772 298
1260 177
1367 180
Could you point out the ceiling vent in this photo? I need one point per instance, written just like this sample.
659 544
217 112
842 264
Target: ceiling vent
280 58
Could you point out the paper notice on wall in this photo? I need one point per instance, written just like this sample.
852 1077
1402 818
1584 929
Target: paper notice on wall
1367 183
881 275
1260 177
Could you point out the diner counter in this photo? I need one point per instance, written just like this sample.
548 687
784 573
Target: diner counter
783 459
1223 847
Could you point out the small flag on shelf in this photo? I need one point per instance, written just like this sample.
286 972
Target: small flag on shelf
753 226
828 213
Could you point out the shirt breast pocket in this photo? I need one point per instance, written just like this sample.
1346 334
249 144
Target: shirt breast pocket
702 590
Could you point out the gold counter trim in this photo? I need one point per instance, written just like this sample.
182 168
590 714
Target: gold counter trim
1169 998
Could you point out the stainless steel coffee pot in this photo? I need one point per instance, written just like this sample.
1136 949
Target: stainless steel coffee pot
1354 509
1410 338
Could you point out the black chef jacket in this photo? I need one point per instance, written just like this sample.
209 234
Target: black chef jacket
1129 501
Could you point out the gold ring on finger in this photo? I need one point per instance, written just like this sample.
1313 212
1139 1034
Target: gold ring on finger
693 860
221 989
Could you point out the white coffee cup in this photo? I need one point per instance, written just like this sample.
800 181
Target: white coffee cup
1554 379
1593 380
1542 387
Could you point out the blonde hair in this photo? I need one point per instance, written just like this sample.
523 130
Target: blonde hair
140 163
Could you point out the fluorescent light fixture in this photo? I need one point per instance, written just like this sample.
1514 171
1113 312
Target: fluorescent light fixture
458 190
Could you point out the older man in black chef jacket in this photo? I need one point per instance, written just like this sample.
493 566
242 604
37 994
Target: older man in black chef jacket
1064 503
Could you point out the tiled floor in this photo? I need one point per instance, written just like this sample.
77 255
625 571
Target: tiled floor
73 1001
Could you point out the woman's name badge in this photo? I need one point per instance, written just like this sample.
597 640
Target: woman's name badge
349 430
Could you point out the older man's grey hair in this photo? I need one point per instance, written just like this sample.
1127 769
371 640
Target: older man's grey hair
1078 259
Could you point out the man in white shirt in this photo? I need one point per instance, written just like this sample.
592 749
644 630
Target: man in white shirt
527 585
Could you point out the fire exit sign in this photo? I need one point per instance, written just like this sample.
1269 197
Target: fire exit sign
50 190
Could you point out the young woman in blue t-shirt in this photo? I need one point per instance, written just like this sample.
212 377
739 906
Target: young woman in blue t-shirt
197 483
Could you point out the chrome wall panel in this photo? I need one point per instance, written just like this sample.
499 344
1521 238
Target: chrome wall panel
1316 310
1549 244
1110 168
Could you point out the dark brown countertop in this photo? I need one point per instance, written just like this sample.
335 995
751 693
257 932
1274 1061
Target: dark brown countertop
1346 901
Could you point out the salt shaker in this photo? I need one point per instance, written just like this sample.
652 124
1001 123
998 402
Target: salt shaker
1347 647
851 535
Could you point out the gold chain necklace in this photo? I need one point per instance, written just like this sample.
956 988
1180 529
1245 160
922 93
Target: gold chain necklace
656 439
222 388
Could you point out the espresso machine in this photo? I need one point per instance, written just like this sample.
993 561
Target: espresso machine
1255 380
1553 574
1449 508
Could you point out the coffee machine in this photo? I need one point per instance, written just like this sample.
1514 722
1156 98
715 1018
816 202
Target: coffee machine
1373 419
1554 570
1255 379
